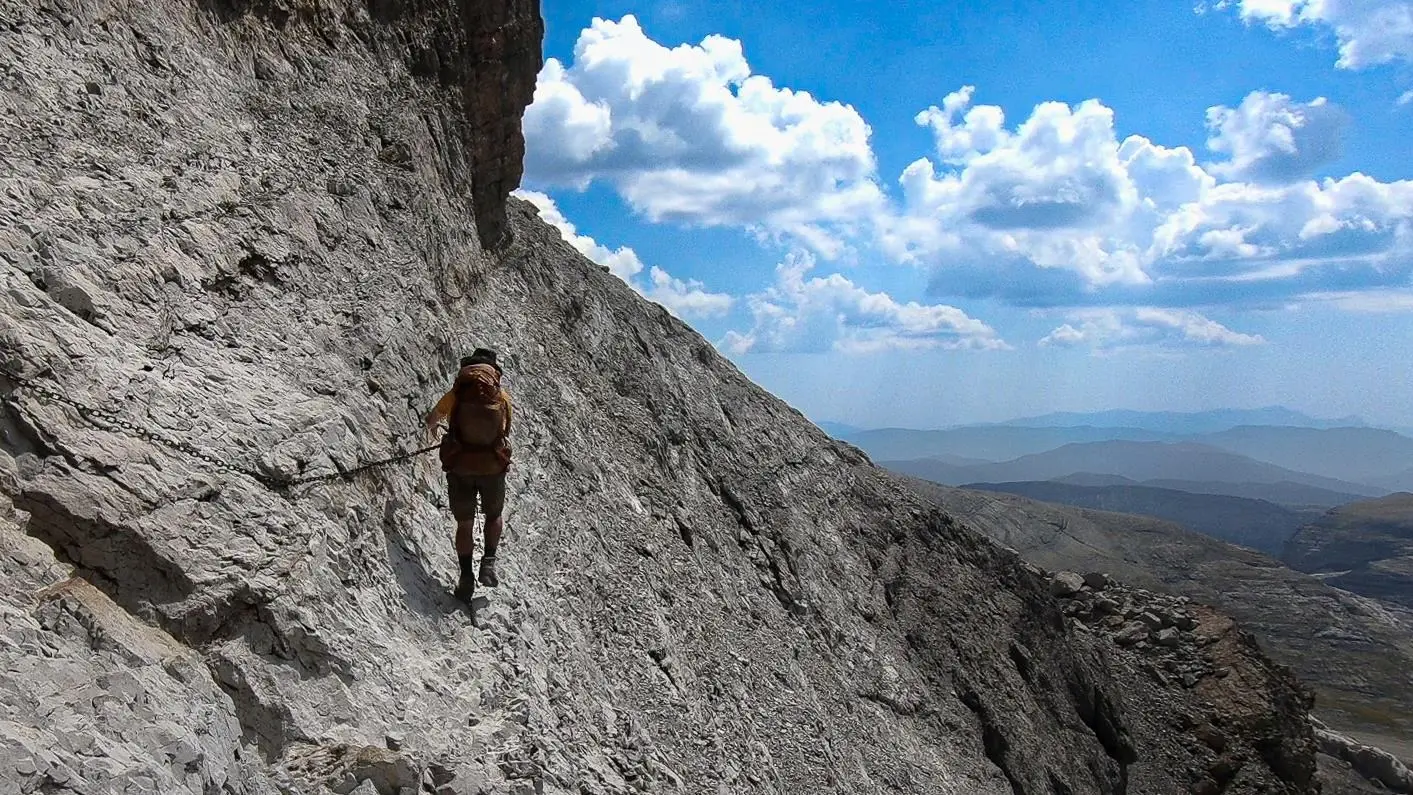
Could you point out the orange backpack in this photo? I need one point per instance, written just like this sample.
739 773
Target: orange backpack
475 441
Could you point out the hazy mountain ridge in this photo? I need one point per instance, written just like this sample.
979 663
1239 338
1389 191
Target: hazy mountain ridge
1261 525
1399 481
1361 455
1286 494
1292 495
1175 422
1187 422
1140 461
1373 459
990 443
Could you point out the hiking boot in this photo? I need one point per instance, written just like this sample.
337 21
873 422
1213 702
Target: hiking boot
465 588
488 572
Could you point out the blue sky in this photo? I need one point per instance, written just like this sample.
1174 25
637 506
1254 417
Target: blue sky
988 210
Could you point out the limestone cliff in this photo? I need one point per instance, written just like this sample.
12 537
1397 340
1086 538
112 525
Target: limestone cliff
256 237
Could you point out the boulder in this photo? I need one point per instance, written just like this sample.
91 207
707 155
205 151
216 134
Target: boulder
1066 583
1167 637
1132 633
1151 620
1097 580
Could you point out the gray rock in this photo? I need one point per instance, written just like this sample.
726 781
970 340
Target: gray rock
1105 606
1211 736
1371 763
1152 620
1096 580
1066 583
1167 637
1132 633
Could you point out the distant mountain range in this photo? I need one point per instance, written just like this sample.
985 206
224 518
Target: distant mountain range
1291 495
1164 422
838 430
1351 460
989 442
1258 524
1185 422
1363 455
1399 481
1141 461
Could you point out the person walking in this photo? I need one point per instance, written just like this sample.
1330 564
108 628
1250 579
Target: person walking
475 455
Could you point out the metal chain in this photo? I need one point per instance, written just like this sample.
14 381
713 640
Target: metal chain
99 417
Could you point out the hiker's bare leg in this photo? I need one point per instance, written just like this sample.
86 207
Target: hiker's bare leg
462 496
466 537
493 530
488 576
493 503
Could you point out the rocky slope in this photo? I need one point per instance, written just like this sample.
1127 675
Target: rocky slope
257 236
1365 547
1354 652
1170 642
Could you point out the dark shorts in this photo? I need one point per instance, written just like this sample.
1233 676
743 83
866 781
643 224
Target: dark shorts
462 492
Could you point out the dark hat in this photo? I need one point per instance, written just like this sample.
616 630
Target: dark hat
481 356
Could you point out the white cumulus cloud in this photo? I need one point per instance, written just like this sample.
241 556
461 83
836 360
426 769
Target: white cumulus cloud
1270 138
1369 32
806 314
1145 327
690 134
1060 211
1052 208
686 299
1057 192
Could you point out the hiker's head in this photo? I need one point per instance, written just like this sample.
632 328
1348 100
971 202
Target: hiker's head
481 356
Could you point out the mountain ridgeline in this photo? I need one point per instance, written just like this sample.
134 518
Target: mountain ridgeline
1140 461
1357 461
243 243
1257 524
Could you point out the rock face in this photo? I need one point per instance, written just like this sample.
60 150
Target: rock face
1193 662
1371 763
244 235
1364 547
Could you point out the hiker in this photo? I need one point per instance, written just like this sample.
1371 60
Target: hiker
475 454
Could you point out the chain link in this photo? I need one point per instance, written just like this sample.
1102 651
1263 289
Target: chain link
100 417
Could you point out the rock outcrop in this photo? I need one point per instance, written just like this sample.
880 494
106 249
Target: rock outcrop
1199 661
1354 652
1365 547
237 248
1373 764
